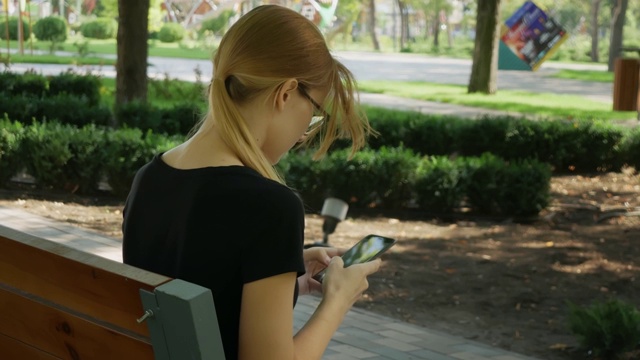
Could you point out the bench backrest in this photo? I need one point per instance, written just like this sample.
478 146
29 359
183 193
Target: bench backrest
57 302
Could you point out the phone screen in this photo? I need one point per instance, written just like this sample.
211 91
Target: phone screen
367 249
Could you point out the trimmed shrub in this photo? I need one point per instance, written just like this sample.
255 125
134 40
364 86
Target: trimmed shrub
101 28
128 150
394 176
51 28
519 188
27 109
136 114
171 32
11 134
629 149
64 157
439 184
28 84
217 24
86 87
13 28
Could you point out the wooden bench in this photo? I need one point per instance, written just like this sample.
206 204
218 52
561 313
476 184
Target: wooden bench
57 302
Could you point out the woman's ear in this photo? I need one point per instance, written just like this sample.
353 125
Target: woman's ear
283 94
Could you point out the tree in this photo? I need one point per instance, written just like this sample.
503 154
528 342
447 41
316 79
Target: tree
485 53
372 24
595 7
131 65
618 14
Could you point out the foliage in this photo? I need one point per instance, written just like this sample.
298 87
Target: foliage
494 186
11 134
64 157
179 119
217 24
439 185
51 28
85 87
128 150
13 28
28 84
607 328
171 32
101 28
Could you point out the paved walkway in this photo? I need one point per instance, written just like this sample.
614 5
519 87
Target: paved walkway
363 334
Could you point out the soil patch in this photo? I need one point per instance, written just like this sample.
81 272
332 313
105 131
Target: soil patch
492 280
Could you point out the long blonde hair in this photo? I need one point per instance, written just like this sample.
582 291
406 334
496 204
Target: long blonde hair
263 49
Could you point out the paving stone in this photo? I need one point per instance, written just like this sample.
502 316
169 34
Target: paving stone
356 352
395 344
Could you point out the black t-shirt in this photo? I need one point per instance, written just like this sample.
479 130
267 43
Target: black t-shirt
218 227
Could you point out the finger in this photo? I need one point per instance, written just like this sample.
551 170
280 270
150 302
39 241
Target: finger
318 254
336 261
371 266
331 251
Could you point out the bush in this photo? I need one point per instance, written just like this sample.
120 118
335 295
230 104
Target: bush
28 84
128 150
101 28
27 109
11 134
439 184
217 24
607 328
519 188
86 87
13 28
64 157
171 32
51 28
630 149
176 120
136 114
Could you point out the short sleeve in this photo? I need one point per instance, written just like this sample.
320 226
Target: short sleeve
277 244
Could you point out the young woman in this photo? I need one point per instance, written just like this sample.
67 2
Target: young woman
213 211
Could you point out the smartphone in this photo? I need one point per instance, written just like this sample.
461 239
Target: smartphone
367 249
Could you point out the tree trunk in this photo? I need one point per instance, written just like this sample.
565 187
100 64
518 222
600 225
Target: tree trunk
404 24
131 65
595 7
485 54
618 14
436 28
372 25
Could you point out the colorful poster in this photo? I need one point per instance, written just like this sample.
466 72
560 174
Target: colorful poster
532 35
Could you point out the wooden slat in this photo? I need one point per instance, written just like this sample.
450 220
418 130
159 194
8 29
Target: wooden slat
99 288
11 349
63 335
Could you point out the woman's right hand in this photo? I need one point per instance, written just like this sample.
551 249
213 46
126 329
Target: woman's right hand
346 285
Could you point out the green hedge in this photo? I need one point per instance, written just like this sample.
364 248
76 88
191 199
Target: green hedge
13 28
101 28
171 32
569 146
65 157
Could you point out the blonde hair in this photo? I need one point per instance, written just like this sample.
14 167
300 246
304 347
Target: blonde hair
263 49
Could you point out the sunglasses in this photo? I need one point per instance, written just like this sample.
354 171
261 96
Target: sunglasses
320 116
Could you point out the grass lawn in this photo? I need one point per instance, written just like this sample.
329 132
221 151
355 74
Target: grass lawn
585 75
186 50
539 104
60 60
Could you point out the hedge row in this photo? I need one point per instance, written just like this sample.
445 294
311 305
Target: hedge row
35 86
569 146
66 157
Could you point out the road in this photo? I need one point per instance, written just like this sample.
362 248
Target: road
403 67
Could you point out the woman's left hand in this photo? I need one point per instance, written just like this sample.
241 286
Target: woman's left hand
315 259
